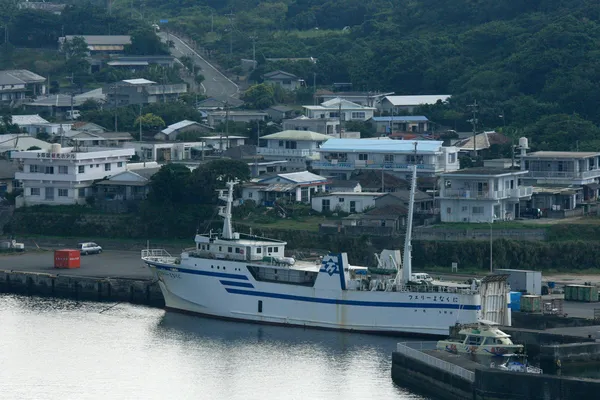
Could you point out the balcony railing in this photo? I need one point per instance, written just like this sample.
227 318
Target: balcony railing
352 165
285 152
564 174
523 191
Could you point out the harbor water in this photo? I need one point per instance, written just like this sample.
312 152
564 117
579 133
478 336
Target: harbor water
62 349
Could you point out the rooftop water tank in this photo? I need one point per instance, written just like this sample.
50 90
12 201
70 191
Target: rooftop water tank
55 148
523 143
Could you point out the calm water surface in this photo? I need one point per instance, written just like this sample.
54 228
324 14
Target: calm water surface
60 349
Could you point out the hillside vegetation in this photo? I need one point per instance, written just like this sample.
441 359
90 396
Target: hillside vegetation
533 66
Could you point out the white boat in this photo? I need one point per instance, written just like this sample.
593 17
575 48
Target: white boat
481 339
515 363
250 278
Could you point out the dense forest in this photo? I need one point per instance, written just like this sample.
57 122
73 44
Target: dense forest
533 66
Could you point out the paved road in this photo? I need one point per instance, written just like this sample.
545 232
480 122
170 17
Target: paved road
111 263
215 84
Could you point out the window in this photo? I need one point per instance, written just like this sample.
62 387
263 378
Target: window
281 143
63 169
258 250
269 249
388 158
465 208
358 115
49 170
363 157
81 192
250 195
340 200
275 249
325 205
260 306
35 191
35 168
63 192
97 165
119 164
352 206
230 249
49 193
81 169
107 167
449 210
478 210
451 158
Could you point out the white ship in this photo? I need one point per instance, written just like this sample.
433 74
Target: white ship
249 278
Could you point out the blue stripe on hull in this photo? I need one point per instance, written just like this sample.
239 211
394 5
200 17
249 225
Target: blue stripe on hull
196 272
352 302
238 284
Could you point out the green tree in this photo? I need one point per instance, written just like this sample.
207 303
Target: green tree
144 41
76 51
259 96
207 178
169 184
150 122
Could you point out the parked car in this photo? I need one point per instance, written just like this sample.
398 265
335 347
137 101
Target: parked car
89 248
531 213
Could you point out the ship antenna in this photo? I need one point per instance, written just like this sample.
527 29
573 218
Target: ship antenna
225 211
407 262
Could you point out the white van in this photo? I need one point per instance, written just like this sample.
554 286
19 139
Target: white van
89 248
421 277
72 115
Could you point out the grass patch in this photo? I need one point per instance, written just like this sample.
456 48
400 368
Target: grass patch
484 226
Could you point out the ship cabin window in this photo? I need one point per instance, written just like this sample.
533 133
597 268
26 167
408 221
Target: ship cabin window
474 340
275 249
230 249
258 250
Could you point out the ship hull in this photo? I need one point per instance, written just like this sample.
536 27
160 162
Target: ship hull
232 293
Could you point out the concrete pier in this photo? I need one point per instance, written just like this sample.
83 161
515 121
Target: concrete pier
454 377
111 276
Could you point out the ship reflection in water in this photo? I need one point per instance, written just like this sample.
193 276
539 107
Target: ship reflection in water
61 349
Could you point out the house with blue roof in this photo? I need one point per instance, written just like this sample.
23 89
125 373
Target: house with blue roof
395 124
340 158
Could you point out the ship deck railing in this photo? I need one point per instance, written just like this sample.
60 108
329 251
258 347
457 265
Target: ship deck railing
159 255
408 351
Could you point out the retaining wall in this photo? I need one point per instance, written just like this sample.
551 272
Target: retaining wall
82 288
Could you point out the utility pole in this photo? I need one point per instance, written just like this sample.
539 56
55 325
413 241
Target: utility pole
140 122
212 22
230 16
253 52
340 116
475 110
115 105
257 143
315 88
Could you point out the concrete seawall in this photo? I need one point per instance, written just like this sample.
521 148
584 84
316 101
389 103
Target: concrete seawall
465 379
82 288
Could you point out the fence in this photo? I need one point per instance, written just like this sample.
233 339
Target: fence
405 349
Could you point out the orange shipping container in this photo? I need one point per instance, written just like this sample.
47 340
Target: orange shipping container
67 258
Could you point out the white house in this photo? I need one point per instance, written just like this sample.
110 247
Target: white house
326 126
395 104
215 118
350 202
294 187
223 142
63 176
172 131
296 147
284 79
410 123
332 108
340 157
482 195
20 142
174 151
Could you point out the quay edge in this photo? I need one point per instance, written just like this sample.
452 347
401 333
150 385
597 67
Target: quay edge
136 291
452 377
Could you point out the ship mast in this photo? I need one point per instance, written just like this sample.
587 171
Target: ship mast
407 261
225 211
